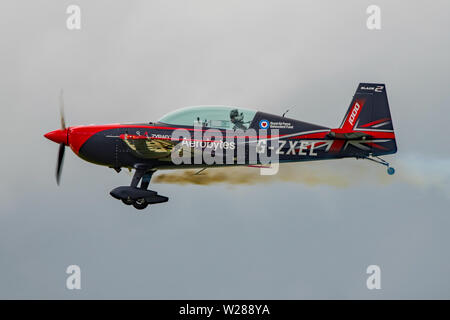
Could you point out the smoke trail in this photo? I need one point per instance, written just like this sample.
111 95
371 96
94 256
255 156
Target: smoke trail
426 173
414 171
309 174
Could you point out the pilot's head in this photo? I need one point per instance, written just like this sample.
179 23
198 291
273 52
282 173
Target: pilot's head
235 116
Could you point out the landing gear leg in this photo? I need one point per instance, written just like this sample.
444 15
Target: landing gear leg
138 174
145 178
139 197
390 170
134 182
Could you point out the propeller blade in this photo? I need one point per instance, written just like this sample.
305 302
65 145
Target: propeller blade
61 109
59 165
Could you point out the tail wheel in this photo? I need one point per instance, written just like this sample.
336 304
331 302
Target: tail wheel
390 171
140 204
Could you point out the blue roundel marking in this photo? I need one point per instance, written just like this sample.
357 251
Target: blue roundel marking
263 124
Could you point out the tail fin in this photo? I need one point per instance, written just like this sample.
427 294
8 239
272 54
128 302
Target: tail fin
368 121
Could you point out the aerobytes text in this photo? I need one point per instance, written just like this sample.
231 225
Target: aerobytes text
214 146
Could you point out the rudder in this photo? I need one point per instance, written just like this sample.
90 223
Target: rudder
368 120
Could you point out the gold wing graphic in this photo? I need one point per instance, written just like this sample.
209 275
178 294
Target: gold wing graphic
151 148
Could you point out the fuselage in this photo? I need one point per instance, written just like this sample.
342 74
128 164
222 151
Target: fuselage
125 145
206 136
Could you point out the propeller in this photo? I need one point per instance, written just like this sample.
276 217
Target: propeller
62 146
59 165
61 109
61 137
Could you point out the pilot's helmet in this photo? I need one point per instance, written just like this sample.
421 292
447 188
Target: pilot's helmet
234 113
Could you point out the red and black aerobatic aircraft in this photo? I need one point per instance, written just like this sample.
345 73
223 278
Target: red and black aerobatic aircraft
366 132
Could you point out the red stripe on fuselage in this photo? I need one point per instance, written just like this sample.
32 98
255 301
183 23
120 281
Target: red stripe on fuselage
318 135
80 134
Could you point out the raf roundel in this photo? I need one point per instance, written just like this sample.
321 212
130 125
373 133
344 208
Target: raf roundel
264 124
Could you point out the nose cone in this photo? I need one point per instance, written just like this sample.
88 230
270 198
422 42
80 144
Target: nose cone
58 136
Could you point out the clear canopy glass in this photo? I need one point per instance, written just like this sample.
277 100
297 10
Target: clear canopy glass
222 117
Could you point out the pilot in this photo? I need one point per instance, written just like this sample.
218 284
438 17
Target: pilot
237 119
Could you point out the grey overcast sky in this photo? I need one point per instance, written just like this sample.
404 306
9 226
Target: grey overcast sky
134 61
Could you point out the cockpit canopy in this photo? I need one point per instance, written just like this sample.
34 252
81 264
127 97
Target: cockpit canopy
222 117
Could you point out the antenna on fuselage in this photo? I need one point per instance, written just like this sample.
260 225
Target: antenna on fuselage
285 112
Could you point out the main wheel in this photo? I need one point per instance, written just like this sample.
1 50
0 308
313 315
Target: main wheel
128 202
390 171
140 204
